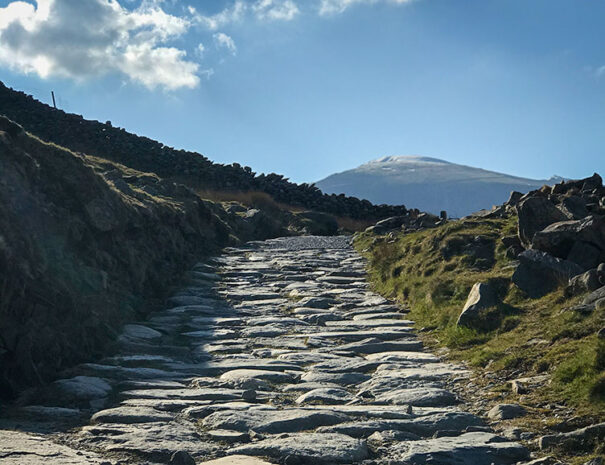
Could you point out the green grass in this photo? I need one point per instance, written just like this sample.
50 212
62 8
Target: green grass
432 272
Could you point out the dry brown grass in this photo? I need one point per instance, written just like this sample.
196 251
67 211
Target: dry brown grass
254 199
262 200
352 225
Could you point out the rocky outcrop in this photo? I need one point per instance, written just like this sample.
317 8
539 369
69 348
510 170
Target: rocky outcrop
563 229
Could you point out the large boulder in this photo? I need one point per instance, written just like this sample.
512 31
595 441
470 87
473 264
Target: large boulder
539 273
574 207
585 282
506 412
581 241
535 214
481 297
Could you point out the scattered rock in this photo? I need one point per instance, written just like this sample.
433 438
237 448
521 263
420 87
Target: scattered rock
539 273
585 282
481 297
583 439
181 458
506 412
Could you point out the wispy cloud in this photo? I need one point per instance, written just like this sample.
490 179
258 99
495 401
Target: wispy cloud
230 14
80 39
331 7
275 10
222 40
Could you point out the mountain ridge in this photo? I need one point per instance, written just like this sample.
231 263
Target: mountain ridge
428 183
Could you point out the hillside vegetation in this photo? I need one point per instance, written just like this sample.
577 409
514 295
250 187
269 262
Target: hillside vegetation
189 168
554 339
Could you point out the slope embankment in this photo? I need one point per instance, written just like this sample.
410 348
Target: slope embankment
87 244
519 294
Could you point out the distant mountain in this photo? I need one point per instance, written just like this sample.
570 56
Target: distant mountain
428 184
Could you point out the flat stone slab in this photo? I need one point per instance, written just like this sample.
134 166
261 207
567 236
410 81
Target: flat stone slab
469 448
374 345
228 436
140 332
354 336
131 414
309 447
18 448
155 441
266 420
344 379
402 356
306 387
212 334
421 397
346 365
237 460
184 394
378 323
83 387
422 426
328 396
243 375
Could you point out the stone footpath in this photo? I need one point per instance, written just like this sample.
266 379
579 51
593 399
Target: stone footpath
276 352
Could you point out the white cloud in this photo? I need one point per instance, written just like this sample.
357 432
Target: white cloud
231 14
276 10
223 40
600 72
79 39
200 50
284 10
329 7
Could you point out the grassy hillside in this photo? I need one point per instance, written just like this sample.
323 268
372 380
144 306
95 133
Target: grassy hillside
432 272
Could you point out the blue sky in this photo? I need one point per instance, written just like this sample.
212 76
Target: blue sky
308 88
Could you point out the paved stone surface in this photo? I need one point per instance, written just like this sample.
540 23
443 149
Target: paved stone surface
276 352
